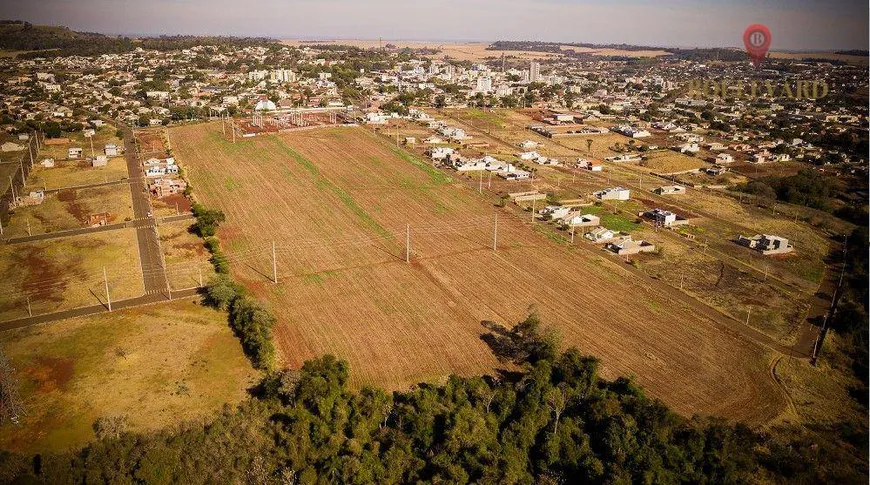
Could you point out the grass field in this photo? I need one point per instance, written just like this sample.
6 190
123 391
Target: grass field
338 202
77 172
69 209
185 255
67 272
157 366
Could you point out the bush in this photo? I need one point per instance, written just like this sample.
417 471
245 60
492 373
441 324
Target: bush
222 291
207 220
253 324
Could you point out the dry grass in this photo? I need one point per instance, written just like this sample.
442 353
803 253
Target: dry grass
669 161
337 202
156 365
185 255
64 273
76 172
69 209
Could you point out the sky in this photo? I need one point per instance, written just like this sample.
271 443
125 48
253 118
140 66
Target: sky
794 24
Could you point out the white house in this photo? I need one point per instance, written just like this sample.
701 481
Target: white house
111 150
724 158
670 190
74 153
528 155
100 161
600 234
440 153
47 163
578 219
555 211
615 193
592 165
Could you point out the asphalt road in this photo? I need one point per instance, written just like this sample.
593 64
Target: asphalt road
94 309
150 257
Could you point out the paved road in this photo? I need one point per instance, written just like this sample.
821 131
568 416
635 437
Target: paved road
150 254
92 310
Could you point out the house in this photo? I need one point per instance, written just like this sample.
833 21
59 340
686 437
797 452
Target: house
410 140
689 148
33 198
23 136
628 157
714 171
554 212
47 163
74 153
664 218
440 153
100 161
600 235
615 193
724 158
766 244
528 155
625 246
578 219
97 123
592 165
547 161
715 146
632 131
155 122
163 187
11 147
111 150
376 118
670 190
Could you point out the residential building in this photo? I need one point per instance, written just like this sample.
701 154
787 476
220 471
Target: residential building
766 244
615 193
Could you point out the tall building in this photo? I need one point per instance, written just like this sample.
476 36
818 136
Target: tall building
534 72
484 84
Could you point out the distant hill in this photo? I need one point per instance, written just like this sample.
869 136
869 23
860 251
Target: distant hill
55 41
854 52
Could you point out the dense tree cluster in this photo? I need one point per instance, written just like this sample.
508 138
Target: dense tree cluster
808 188
554 421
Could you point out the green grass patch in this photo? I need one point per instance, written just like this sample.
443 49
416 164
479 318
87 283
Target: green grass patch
323 183
436 177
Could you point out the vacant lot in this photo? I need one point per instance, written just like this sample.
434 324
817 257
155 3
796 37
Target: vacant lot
157 366
185 254
67 272
76 172
338 202
70 208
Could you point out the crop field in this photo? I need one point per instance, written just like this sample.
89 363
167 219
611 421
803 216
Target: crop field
67 272
338 202
73 372
70 208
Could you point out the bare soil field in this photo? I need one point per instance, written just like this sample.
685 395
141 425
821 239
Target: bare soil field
73 372
64 273
462 51
338 204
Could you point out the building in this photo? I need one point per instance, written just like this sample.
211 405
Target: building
626 246
664 218
724 158
163 187
74 153
534 72
47 163
11 147
600 235
111 150
766 244
670 190
615 193
591 165
578 219
484 84
100 161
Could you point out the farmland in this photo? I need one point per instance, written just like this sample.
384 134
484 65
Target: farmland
338 204
73 372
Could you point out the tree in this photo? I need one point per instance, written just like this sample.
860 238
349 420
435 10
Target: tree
589 144
110 427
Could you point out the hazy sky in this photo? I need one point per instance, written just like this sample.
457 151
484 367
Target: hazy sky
795 24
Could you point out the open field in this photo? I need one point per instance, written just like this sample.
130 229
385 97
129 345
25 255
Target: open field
185 255
67 272
76 172
69 209
337 203
461 51
73 372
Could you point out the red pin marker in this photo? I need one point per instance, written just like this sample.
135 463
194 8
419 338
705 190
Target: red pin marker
757 39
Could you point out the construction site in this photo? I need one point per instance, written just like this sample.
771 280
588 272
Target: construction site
293 119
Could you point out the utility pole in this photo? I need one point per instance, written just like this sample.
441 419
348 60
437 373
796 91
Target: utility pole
224 125
106 283
200 276
533 210
748 312
28 227
572 233
12 185
29 310
489 182
480 184
408 243
495 234
274 265
1 226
